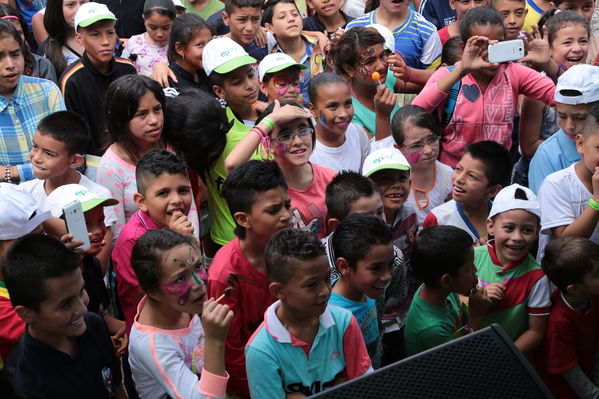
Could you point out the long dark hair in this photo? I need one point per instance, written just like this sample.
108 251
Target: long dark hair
122 99
347 49
57 29
184 28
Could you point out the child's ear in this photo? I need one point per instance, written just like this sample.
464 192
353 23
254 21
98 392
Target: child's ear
77 161
219 91
446 281
573 289
490 226
180 49
276 289
268 27
493 190
140 202
312 109
579 143
242 219
78 38
343 266
28 315
348 70
332 224
225 17
263 87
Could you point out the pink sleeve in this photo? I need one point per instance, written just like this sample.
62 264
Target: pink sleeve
430 220
431 97
533 84
212 385
357 361
129 292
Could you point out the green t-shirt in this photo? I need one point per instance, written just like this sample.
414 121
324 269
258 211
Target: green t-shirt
429 325
367 118
223 224
209 9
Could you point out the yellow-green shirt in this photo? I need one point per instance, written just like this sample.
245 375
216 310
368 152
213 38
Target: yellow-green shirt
209 9
533 16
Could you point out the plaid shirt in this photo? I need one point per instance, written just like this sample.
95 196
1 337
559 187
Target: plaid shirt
32 100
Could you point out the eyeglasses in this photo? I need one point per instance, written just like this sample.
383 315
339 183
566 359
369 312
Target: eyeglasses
288 138
419 146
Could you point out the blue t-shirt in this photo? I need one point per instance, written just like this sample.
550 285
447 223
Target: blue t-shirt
556 153
365 314
416 40
437 12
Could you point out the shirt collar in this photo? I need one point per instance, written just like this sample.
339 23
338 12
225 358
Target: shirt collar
568 147
89 64
495 259
278 331
18 96
146 220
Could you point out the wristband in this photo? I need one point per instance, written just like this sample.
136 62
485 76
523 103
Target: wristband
557 72
269 123
264 139
593 204
7 174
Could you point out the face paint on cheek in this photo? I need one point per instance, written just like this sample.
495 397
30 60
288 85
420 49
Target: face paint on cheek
297 90
415 157
179 290
281 149
282 91
322 119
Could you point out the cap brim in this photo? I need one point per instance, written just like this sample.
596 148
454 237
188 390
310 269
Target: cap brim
38 219
285 66
387 166
91 21
92 203
235 63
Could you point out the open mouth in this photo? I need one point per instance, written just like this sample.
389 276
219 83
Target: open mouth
342 125
77 322
170 212
458 190
577 59
298 152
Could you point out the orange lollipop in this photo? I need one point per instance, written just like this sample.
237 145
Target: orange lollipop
376 76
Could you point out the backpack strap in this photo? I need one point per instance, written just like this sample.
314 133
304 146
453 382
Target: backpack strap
447 113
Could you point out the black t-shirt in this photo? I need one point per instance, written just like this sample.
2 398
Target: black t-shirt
99 300
39 371
313 24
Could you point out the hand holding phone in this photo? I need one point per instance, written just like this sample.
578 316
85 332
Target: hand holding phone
508 50
75 219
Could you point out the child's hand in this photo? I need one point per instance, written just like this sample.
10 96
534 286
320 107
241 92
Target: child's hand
287 113
475 54
494 292
120 341
161 72
482 299
260 38
384 100
180 223
67 240
595 181
398 66
538 52
216 319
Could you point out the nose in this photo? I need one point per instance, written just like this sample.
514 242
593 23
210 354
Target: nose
175 198
511 19
9 63
295 138
83 302
33 154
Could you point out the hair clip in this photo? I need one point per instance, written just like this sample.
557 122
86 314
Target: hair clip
10 17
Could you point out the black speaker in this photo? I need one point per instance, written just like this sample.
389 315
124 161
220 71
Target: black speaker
484 364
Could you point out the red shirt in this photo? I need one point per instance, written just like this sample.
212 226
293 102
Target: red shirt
571 339
444 34
11 325
249 301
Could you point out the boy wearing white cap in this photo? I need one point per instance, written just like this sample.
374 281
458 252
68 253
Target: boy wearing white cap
514 222
280 77
576 91
20 216
84 82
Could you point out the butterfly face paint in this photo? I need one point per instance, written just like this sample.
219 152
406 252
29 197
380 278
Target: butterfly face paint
181 287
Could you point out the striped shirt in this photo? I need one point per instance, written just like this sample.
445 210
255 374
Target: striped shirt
32 100
416 40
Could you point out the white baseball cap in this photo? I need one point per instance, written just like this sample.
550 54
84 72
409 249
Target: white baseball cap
387 35
68 193
90 13
20 212
506 201
384 158
578 85
179 3
276 62
222 55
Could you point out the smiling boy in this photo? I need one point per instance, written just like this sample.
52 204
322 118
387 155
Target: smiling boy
84 83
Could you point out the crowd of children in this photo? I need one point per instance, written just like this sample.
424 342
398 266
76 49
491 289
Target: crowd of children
283 195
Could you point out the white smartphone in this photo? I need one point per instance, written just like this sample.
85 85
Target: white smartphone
73 215
509 50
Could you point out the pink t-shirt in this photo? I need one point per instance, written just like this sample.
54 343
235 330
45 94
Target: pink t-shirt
308 207
483 116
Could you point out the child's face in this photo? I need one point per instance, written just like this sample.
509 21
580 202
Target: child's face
469 181
515 233
308 291
244 23
333 108
191 53
94 221
394 186
292 142
372 273
395 7
166 195
492 32
570 45
571 118
181 285
240 87
69 9
99 41
286 21
463 6
420 146
12 64
324 8
270 212
582 7
372 205
61 313
588 148
465 278
373 59
513 13
283 85
158 28
50 158
146 124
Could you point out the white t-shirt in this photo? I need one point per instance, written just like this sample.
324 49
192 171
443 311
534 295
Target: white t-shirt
36 188
563 198
387 142
437 193
348 156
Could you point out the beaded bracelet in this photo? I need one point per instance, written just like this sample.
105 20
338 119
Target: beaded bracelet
7 174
